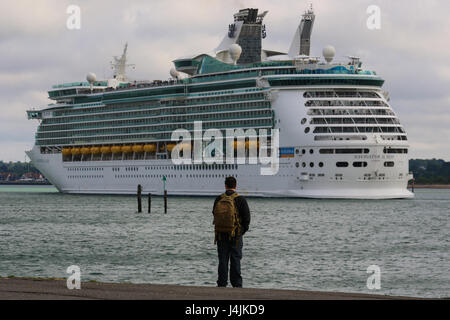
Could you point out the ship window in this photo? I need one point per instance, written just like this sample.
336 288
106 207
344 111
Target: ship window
311 164
359 164
303 121
352 151
311 151
303 164
395 150
326 151
306 129
321 164
342 164
389 164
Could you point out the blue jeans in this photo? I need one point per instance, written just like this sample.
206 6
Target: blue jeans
228 251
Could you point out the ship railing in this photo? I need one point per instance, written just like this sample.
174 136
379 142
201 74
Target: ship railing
151 107
265 121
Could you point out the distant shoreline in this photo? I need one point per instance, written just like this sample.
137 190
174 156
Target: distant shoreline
429 186
26 183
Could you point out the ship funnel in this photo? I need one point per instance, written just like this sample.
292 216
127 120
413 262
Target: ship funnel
301 43
247 31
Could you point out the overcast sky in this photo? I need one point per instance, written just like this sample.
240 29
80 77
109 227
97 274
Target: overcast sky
411 52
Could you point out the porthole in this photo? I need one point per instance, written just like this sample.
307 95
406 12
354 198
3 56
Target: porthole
297 164
303 121
306 129
321 164
303 151
342 164
303 164
359 164
311 151
311 164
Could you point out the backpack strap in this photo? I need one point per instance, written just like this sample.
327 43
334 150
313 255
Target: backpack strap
239 227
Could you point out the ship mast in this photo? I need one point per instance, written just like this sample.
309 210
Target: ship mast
120 64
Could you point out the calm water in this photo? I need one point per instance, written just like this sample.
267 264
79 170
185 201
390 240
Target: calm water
322 245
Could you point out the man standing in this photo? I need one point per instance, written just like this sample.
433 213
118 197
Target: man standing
231 222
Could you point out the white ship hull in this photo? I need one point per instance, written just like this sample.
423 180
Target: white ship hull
99 178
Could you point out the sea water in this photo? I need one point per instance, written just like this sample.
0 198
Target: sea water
304 244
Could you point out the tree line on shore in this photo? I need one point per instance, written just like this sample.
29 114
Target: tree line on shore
430 171
15 170
426 171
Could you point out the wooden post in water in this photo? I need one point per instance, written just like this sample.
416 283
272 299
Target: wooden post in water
165 201
149 203
165 193
139 196
412 187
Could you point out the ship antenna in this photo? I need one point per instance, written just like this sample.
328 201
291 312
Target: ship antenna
120 64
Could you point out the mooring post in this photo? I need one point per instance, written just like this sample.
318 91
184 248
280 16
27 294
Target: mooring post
412 188
149 203
165 193
165 201
139 195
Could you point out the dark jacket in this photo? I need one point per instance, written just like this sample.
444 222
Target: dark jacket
243 210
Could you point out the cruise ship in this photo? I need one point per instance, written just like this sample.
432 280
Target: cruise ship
328 125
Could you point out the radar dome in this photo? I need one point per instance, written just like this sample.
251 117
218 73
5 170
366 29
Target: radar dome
235 51
91 77
174 73
328 53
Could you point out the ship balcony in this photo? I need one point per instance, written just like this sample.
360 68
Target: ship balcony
156 120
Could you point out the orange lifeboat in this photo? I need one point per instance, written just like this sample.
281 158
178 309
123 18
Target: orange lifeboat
126 149
95 150
85 150
75 151
238 144
185 146
116 149
170 146
138 148
105 149
149 148
181 146
251 144
66 151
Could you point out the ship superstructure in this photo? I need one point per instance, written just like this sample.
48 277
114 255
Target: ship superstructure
338 135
